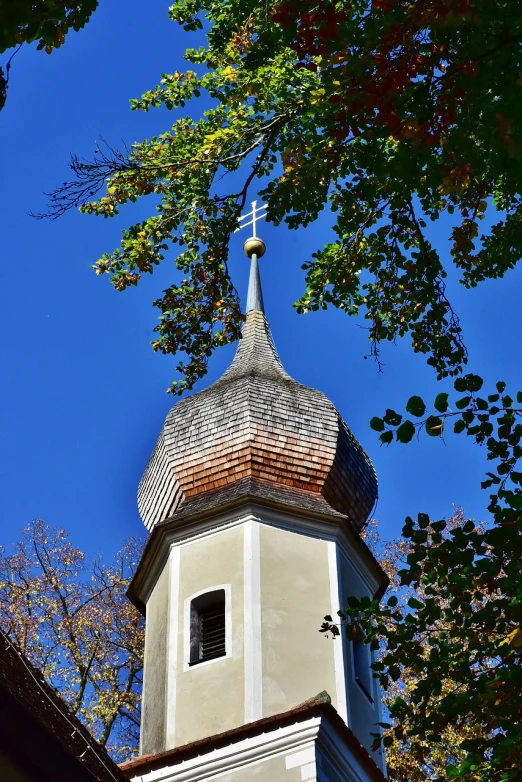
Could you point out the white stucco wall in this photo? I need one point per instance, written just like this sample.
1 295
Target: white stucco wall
280 581
210 696
298 662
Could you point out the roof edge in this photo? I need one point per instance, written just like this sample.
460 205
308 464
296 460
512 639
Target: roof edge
248 501
320 705
70 746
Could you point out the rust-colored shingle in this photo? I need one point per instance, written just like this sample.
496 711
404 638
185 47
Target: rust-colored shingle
257 423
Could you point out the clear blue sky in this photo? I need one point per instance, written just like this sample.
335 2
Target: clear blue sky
83 394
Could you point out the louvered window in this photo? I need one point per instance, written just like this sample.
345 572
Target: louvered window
361 664
207 627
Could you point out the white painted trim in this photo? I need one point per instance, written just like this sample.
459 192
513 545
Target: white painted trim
186 627
144 688
300 758
172 649
304 761
237 755
316 734
220 523
338 646
308 773
252 622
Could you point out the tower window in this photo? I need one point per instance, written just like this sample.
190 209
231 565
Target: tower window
208 627
361 664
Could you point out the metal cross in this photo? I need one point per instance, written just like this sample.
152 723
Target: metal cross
256 214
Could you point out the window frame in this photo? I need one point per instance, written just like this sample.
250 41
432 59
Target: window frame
187 620
368 692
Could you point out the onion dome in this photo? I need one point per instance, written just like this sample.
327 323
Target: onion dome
259 435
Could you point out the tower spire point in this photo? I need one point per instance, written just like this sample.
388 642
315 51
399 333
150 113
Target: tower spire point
255 294
254 248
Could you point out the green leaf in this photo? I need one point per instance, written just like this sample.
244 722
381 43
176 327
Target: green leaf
463 402
408 527
501 386
475 382
434 426
441 402
392 601
459 426
377 424
468 383
405 432
420 536
48 32
392 418
416 406
386 437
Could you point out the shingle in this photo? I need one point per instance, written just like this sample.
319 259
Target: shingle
257 421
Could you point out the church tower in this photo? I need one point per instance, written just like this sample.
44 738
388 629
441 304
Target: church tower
255 496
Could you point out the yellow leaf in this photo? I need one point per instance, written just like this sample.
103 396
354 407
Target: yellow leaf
230 73
514 638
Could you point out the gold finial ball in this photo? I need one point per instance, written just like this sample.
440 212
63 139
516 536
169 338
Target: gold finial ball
254 246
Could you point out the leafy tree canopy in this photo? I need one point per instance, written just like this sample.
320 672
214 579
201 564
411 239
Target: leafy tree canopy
389 113
415 758
73 620
460 635
45 21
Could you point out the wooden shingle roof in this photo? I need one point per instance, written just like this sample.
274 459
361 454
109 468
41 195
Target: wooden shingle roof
257 425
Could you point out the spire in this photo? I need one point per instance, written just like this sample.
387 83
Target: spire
256 353
255 249
256 422
255 294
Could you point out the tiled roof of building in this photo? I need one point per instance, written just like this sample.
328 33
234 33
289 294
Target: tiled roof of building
26 697
319 705
257 424
255 489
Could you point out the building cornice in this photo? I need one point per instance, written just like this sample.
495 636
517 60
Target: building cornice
177 531
313 721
